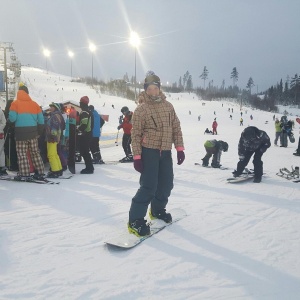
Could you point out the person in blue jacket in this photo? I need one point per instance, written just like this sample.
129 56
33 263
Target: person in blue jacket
96 133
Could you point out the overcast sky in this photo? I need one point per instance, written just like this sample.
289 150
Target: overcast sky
261 38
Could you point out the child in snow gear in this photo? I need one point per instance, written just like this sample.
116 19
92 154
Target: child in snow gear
215 148
155 128
207 131
85 129
125 123
54 128
96 133
252 141
277 131
29 123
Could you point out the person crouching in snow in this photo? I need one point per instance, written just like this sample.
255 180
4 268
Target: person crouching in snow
155 127
215 148
252 141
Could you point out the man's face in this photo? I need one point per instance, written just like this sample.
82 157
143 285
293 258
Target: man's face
152 90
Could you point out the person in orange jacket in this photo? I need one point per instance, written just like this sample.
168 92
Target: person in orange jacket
125 124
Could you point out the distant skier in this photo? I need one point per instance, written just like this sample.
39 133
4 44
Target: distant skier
252 141
215 148
251 117
214 126
241 122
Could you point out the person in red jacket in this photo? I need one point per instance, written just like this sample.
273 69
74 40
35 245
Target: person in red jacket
214 126
126 140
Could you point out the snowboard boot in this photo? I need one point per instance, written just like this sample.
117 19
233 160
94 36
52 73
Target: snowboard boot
139 227
54 174
87 171
215 165
236 174
204 162
126 159
161 214
37 176
257 179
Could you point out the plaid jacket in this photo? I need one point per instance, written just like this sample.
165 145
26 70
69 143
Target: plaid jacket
155 125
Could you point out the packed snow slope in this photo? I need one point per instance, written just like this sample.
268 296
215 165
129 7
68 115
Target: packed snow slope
238 241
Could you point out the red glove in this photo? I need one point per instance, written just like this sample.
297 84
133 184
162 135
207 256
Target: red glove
1 135
138 165
180 157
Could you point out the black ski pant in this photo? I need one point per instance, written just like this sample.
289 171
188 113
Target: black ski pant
298 149
95 149
10 149
126 142
84 146
212 152
156 183
257 162
284 139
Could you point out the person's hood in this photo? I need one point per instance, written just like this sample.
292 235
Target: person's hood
23 96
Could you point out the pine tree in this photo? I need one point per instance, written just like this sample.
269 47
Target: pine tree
204 75
295 86
234 76
250 84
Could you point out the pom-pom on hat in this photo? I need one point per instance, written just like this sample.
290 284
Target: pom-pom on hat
85 100
151 79
23 87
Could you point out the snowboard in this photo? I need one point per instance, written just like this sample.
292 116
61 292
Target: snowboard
128 240
72 140
11 178
241 178
221 168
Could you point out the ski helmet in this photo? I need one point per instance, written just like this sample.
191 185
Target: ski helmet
124 110
250 133
224 146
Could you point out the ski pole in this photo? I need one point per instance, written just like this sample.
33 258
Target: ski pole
117 137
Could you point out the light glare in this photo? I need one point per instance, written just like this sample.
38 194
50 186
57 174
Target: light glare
135 40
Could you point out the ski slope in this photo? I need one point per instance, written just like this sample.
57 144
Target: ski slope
237 242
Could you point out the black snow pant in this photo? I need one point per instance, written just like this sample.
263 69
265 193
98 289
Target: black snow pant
95 149
156 183
284 139
257 162
126 142
212 152
84 146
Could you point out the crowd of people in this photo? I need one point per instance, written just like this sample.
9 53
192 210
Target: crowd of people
149 133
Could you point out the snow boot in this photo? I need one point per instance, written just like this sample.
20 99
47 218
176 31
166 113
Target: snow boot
139 227
204 162
257 179
161 214
86 171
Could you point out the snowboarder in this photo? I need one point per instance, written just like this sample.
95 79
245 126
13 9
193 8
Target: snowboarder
85 130
126 125
286 131
252 141
28 126
215 148
214 126
155 128
207 131
278 130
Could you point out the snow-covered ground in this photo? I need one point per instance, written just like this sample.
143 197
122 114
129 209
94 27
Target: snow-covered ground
237 242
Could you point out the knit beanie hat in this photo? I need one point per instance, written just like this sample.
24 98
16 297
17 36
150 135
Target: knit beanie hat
151 78
23 87
85 100
56 105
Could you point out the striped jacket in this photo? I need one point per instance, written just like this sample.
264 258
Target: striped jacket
27 117
155 125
